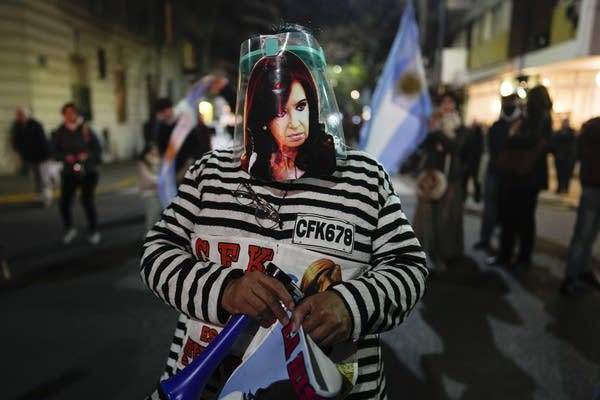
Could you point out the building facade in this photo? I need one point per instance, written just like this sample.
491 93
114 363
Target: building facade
511 45
112 58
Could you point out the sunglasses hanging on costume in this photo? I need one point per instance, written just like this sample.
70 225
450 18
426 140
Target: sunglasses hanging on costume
291 125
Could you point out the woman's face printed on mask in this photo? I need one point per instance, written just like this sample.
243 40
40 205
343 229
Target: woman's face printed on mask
290 126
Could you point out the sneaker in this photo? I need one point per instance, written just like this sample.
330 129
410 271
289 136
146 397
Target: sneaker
70 235
94 238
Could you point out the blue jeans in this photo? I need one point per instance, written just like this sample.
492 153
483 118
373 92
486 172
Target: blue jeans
586 229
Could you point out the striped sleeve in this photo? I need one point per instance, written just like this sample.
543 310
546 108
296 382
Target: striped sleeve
381 298
168 266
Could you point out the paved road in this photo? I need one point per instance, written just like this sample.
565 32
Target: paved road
77 322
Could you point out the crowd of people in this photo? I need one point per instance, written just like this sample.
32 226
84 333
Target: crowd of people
516 171
69 158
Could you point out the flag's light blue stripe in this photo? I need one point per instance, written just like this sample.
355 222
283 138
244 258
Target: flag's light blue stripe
166 185
405 37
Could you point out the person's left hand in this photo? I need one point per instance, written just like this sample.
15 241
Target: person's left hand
324 317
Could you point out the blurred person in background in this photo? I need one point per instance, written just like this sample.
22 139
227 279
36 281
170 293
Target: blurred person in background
438 220
497 134
523 174
471 156
587 224
197 141
30 142
564 151
78 148
162 120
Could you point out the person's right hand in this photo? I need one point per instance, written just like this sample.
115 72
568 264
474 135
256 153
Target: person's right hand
259 296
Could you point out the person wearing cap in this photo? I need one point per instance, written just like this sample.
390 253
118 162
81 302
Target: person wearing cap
288 192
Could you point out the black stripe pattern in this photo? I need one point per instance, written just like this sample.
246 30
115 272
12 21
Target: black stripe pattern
359 192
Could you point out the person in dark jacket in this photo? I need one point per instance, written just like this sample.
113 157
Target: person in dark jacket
78 148
563 149
163 117
471 155
497 134
579 256
519 190
196 143
32 145
438 223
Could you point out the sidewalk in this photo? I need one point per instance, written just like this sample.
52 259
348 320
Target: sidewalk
113 176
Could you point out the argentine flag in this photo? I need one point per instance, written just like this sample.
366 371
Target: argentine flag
186 112
401 103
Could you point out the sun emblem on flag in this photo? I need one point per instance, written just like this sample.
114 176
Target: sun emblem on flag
408 84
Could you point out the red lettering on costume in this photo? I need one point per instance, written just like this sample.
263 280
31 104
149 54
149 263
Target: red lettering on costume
230 253
290 341
257 256
299 378
202 249
190 351
208 334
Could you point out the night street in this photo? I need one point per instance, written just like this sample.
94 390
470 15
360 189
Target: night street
78 323
106 105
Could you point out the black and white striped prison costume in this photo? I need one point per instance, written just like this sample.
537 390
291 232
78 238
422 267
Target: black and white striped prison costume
359 191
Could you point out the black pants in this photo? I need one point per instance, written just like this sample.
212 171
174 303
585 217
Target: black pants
564 171
69 185
517 220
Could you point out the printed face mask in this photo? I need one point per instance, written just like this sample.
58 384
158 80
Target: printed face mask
286 130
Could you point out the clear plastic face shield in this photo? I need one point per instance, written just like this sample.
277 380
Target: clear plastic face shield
289 124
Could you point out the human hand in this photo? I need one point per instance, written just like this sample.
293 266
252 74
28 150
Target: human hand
259 296
324 317
82 156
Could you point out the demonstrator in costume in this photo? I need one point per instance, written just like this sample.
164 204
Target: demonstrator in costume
289 192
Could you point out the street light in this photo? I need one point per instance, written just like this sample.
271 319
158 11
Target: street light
506 88
205 109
